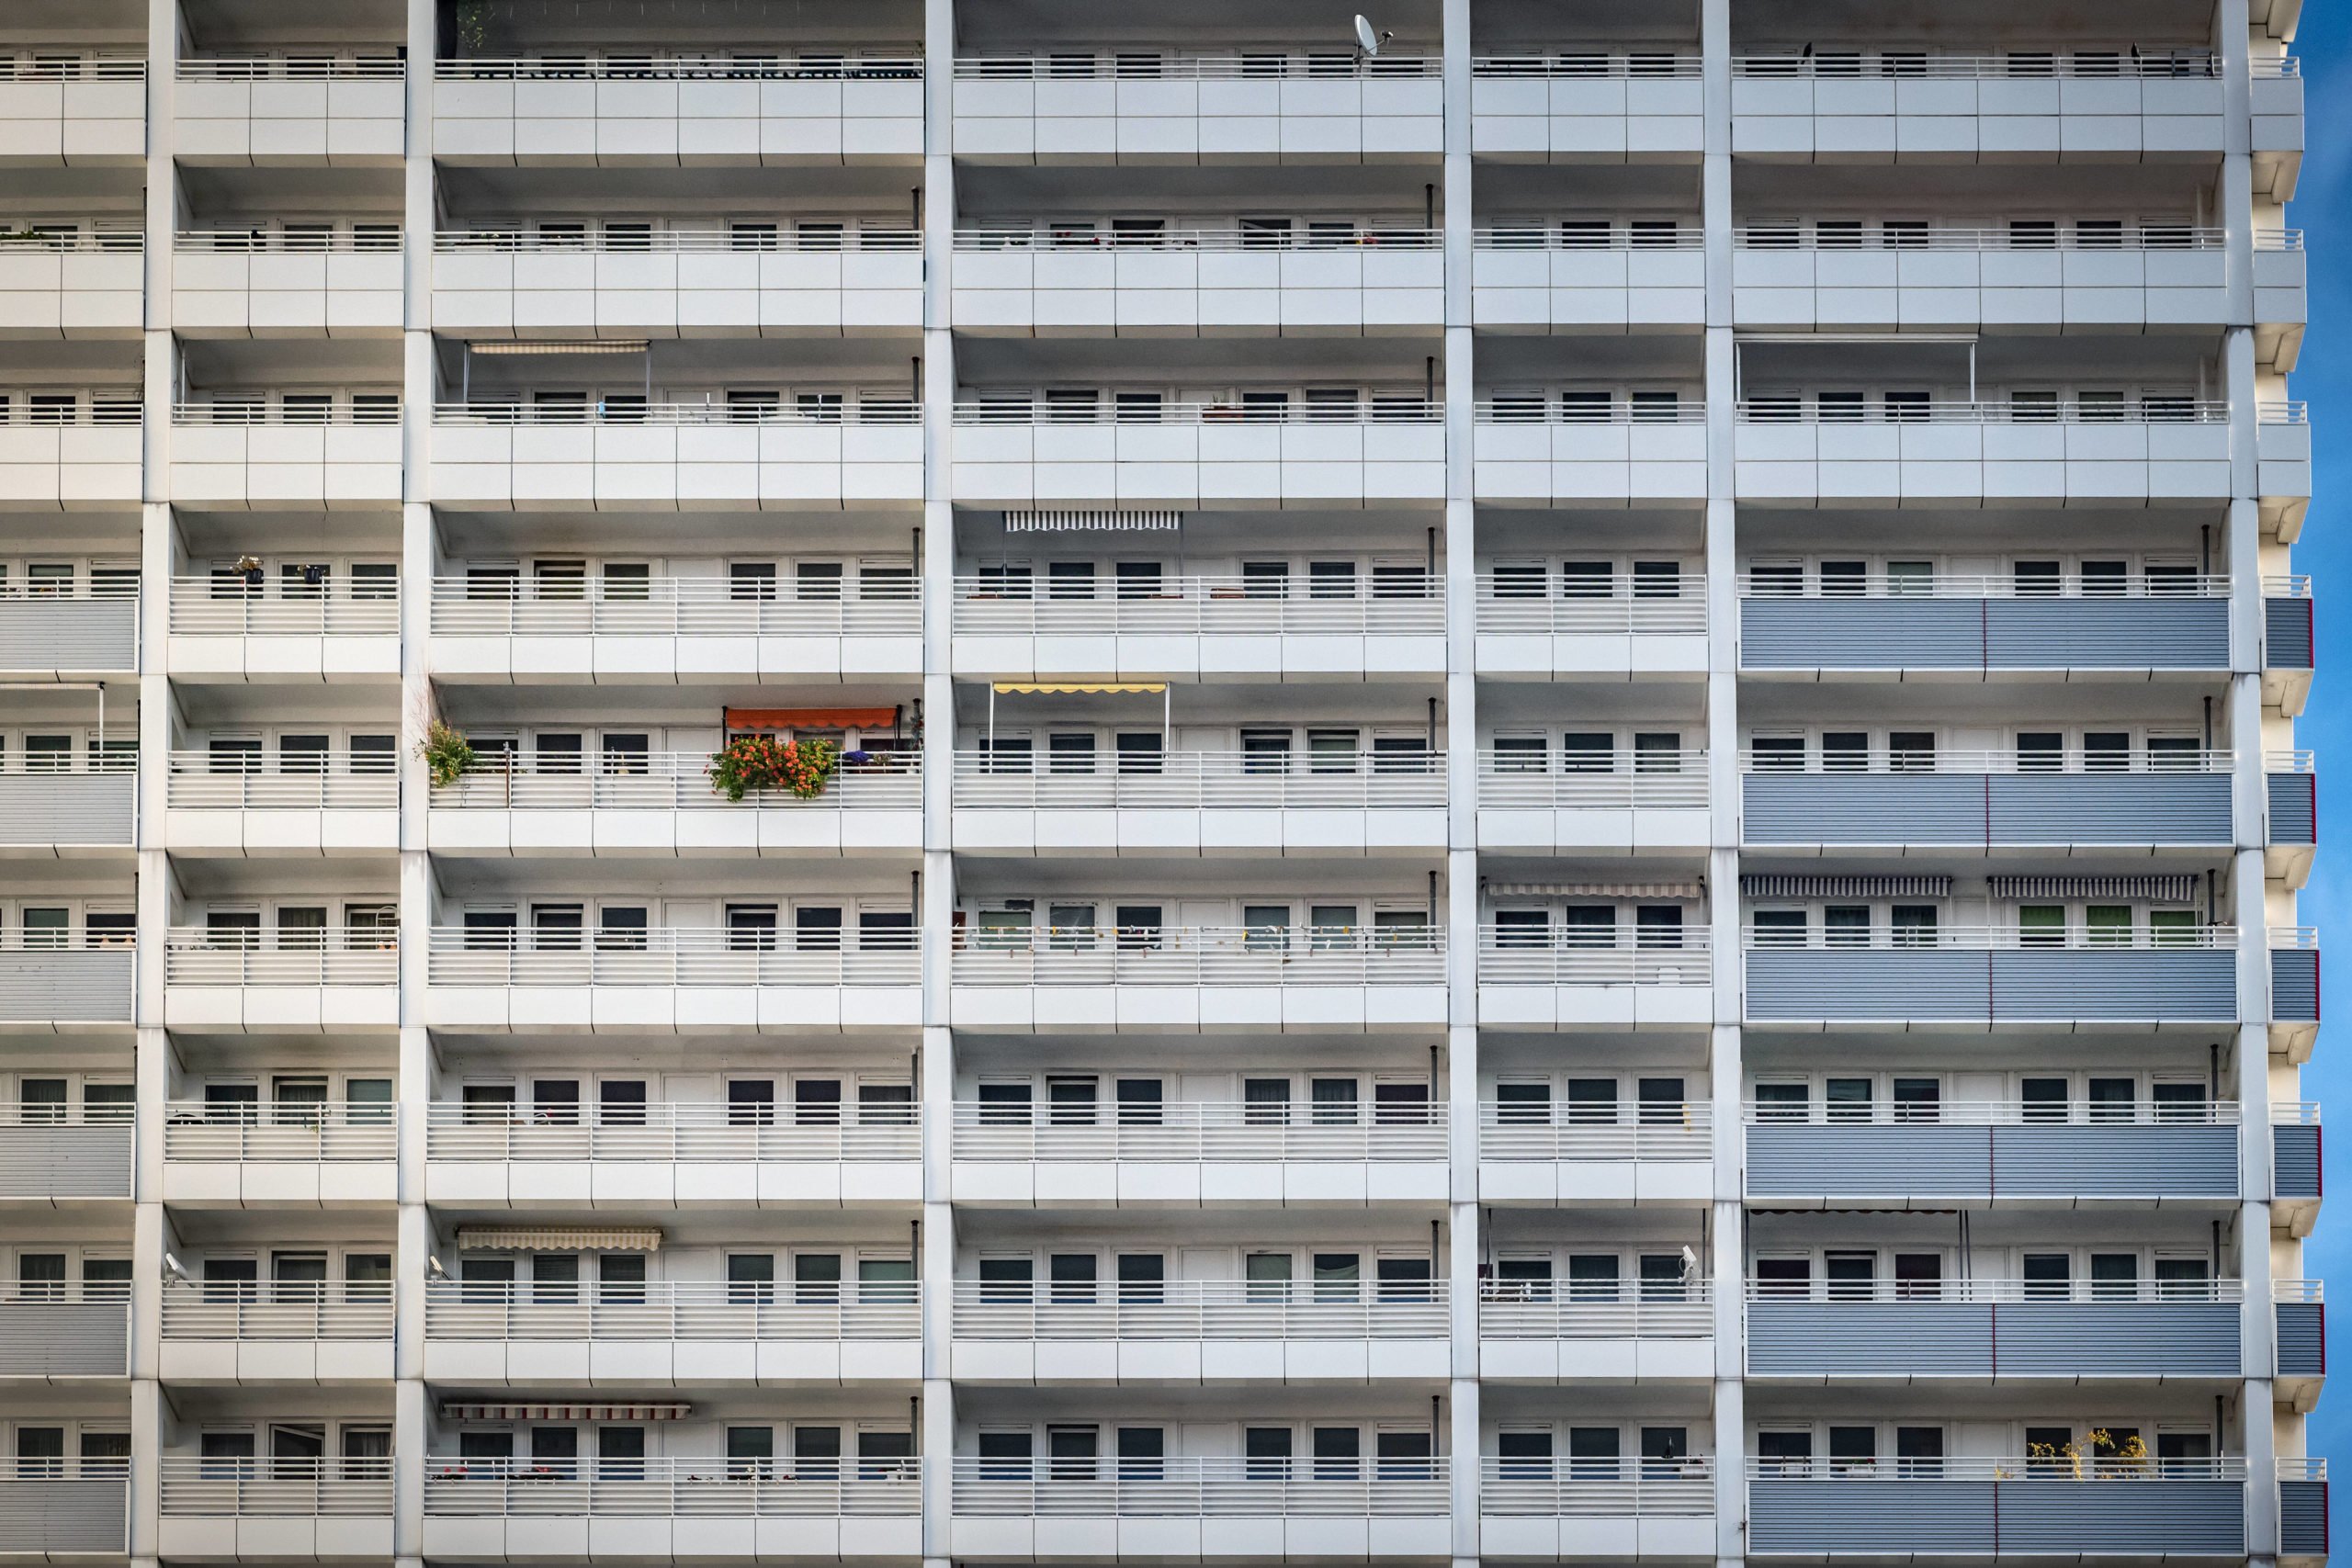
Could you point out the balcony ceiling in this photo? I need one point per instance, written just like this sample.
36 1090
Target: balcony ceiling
1983 26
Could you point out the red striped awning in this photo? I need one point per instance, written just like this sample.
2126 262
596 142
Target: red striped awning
811 718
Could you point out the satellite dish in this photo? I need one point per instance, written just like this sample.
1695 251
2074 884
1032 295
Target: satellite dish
1690 1263
1367 40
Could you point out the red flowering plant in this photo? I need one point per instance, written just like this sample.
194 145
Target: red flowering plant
751 762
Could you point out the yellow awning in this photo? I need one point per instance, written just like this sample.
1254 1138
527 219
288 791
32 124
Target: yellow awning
1056 688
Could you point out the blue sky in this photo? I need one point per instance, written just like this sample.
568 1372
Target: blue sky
2324 211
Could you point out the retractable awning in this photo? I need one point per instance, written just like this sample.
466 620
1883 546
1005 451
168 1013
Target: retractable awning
1598 890
1846 887
2170 888
562 1412
558 1238
811 718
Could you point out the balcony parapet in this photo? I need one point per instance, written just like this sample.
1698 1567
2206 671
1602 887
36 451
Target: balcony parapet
671 1310
272 1309
65 983
73 109
1981 799
667 801
1562 1508
64 1153
58 1332
1907 1330
63 1508
1973 625
1190 1329
1985 976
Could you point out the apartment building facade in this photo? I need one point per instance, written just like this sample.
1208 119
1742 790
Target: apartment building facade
1714 972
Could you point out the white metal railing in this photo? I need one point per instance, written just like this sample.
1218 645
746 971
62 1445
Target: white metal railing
54 240
38 1115
1196 781
2290 939
2299 1293
1868 236
1678 955
672 1488
668 1309
232 607
1972 761
1204 606
1310 236
1544 1487
1981 1292
290 68
2294 1113
62 67
2285 585
1198 1487
1202 955
122 589
1974 585
275 1487
1636 65
233 1132
1536 236
1540 409
385 415
2313 1469
69 764
1616 780
1508 603
1798 410
1570 1130
683 66
1985 1467
1380 409
364 239
201 781
1192 1132
1200 1309
200 956
1995 939
675 1131
85 941
2278 238
1831 65
675 241
1596 1309
672 607
2287 410
277 1309
671 955
1994 1113
672 781
1165 66
864 411
116 413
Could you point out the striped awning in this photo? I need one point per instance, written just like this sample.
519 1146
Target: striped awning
1092 520
558 1238
1078 688
562 1412
1598 890
2176 888
1926 886
812 719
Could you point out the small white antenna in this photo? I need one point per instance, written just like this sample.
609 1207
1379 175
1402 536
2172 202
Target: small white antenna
1368 40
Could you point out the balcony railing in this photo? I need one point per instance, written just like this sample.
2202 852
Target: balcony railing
669 781
2295 1150
1542 957
62 67
196 956
1202 1309
1796 410
608 413
1596 781
1190 1487
229 605
1964 622
1199 780
1383 409
1866 236
1977 797
56 1329
1204 955
372 236
78 627
1637 65
1994 974
665 1488
276 1487
65 1152
663 957
1568 1130
212 781
1842 65
61 1506
1153 66
239 414
1313 237
1688 236
2121 1294
1544 1487
234 1132
672 1133
216 1309
2003 1505
699 66
1621 605
669 606
1540 408
666 1309
1203 605
290 68
673 241
1582 1309
52 977
1189 1132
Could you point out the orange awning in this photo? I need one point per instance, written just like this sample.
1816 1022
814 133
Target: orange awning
811 718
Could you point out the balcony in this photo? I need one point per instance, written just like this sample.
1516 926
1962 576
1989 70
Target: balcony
1548 1510
1199 283
2291 819
1573 1153
492 457
86 631
2281 296
237 283
67 814
664 1333
1213 455
1533 279
1128 107
2154 278
1975 1154
1628 628
238 981
671 1510
2300 1347
63 986
1556 456
677 282
1207 979
1974 452
665 804
1200 1154
1595 802
75 110
227 626
87 459
1531 1331
661 109
290 111
1977 627
1191 1331
1191 803
669 980
1586 107
1206 629
1983 976
215 804
2017 1508
1016 1510
233 458
243 1509
2294 990
339 1332
1574 979
60 1156
81 1512
2303 1508
284 1154
81 285
2296 1187
673 1154
62 1334
2288 643
1987 800
1914 107
1920 1331
2283 466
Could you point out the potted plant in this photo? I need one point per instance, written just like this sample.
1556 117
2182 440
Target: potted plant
765 762
448 753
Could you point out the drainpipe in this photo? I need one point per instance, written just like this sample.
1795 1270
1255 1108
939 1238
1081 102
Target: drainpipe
1429 207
